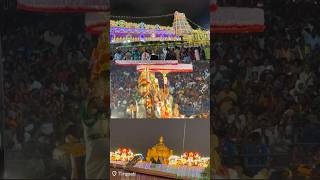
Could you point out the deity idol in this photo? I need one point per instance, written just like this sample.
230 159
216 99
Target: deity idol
144 99
152 101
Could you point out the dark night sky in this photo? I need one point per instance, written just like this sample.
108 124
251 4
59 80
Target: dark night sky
139 135
196 10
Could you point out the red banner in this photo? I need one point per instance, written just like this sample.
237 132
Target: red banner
236 19
64 5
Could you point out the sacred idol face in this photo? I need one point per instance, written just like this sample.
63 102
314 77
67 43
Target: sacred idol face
143 89
154 84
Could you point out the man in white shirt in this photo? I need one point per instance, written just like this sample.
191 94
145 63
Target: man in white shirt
145 56
118 55
164 51
95 125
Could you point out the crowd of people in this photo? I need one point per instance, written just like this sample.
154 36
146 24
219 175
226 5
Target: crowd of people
46 60
189 90
266 97
182 54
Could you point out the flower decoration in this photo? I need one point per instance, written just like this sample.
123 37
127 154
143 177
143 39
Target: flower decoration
122 154
190 159
142 25
121 23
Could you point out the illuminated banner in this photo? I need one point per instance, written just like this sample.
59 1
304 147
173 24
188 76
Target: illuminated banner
126 32
64 5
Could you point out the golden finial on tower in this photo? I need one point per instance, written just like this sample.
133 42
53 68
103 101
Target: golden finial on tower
161 140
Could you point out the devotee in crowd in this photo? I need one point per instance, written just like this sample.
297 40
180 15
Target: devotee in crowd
118 55
154 56
145 55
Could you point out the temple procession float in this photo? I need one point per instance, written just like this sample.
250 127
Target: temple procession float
153 101
161 162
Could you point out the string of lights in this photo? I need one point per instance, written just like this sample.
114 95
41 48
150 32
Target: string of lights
142 17
151 17
196 24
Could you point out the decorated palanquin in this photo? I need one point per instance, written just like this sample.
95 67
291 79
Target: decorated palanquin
159 153
153 101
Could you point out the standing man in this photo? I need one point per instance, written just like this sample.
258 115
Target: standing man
145 55
136 54
95 125
118 55
94 114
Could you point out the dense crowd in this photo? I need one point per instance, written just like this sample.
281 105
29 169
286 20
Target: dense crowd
182 54
46 60
189 90
267 97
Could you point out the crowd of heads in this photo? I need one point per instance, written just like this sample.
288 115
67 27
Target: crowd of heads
46 60
189 90
180 53
266 88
